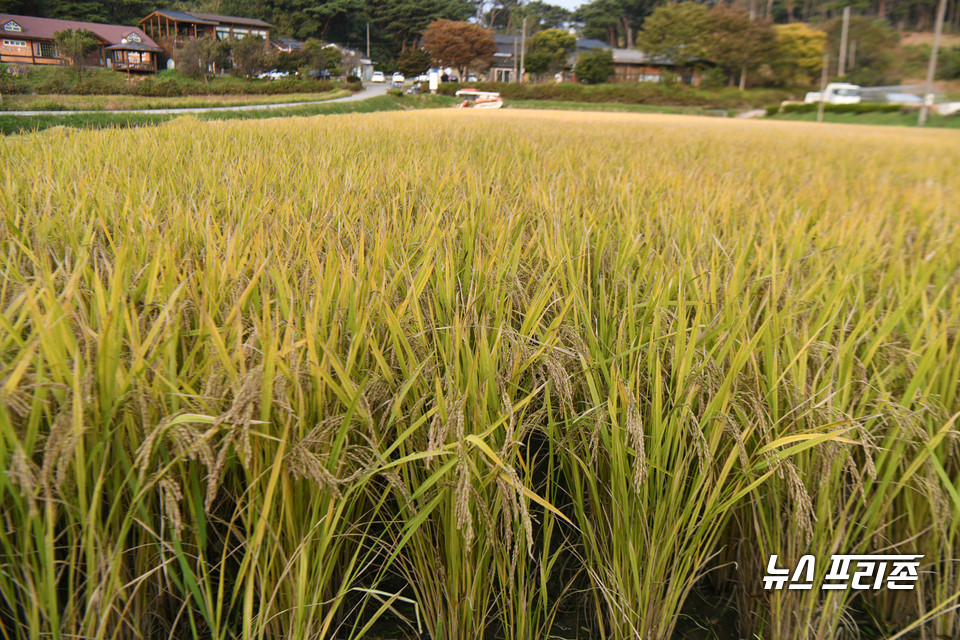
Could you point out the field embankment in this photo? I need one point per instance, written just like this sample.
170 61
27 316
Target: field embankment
512 373
127 102
10 124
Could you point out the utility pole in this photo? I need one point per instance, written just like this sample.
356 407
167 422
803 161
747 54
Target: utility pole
368 40
841 65
823 86
516 59
932 68
523 49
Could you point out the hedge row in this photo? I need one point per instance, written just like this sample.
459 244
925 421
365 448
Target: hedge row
861 107
102 82
628 93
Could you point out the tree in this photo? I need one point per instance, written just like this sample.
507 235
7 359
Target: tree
549 50
738 44
676 31
595 66
197 56
799 56
539 16
872 61
405 20
413 62
349 60
113 11
75 45
459 44
320 56
615 21
249 55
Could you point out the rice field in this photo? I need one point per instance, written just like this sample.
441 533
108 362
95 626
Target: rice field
457 375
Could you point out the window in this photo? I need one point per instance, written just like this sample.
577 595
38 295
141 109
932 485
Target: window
48 50
14 43
12 26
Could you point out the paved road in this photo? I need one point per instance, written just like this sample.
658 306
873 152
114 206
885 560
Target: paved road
369 91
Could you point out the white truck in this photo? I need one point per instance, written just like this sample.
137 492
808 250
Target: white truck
836 93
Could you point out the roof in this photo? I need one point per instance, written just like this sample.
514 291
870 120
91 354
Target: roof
635 56
286 43
591 43
214 17
506 46
45 28
180 16
133 46
195 17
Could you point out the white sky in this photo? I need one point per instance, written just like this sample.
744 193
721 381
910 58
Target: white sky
567 4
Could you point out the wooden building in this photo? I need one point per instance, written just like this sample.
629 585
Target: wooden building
29 40
172 29
633 65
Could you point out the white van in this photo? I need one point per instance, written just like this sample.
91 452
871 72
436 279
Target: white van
836 93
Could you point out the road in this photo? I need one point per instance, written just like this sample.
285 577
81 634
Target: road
369 91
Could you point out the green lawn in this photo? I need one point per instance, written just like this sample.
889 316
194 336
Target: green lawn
891 119
612 106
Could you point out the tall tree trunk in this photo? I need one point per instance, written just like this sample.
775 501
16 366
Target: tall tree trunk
743 78
882 9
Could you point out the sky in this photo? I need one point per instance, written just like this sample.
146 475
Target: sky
567 4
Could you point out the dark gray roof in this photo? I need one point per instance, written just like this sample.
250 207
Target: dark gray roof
181 16
215 17
635 56
287 42
210 18
591 43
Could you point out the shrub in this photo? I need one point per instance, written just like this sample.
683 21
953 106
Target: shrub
629 93
862 107
595 66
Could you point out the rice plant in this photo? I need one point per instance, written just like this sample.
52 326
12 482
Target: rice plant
459 375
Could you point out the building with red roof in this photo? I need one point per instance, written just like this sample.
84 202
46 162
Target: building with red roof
29 40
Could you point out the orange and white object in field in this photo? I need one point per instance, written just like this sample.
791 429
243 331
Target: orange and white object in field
475 99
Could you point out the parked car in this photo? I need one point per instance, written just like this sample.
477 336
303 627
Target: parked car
902 98
378 77
273 74
471 78
836 93
398 78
